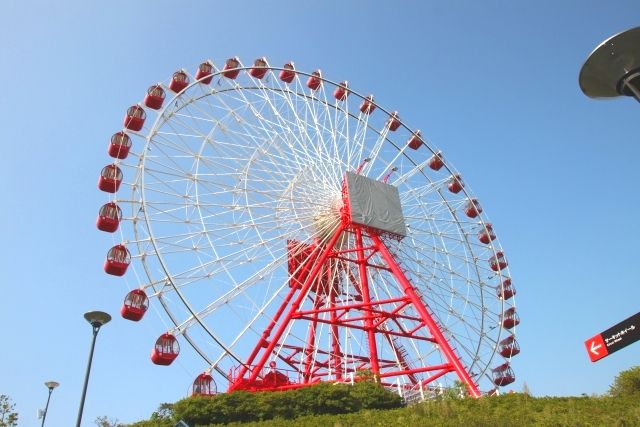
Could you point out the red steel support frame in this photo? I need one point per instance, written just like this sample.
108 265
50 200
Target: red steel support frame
427 318
266 347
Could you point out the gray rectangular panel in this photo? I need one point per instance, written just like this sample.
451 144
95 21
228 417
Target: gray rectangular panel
375 204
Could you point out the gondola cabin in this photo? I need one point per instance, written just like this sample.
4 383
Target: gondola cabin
503 375
510 318
455 184
436 162
135 117
135 305
415 141
230 69
486 235
119 145
109 217
472 209
393 123
498 261
110 179
204 74
342 91
118 260
274 379
179 81
259 69
154 97
203 385
302 259
507 290
509 347
288 73
166 350
315 80
367 105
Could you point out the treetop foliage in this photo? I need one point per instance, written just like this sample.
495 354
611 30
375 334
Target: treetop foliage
627 383
8 415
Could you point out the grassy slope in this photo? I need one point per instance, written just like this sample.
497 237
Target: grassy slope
509 410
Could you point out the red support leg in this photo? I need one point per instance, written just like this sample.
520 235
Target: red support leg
424 313
366 299
255 371
311 341
335 341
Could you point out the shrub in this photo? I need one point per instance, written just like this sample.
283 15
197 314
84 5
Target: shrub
325 398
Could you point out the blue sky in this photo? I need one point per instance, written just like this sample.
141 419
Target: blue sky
493 84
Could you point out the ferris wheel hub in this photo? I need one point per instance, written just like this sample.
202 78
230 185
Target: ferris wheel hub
374 204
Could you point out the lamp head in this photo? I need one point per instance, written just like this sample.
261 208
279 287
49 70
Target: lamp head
97 318
51 384
612 66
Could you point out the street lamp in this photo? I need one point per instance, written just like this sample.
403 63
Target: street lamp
96 319
613 68
50 385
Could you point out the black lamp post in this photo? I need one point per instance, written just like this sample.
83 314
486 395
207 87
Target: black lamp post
613 68
96 319
50 385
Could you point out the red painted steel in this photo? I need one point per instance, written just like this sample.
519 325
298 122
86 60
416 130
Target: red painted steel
312 271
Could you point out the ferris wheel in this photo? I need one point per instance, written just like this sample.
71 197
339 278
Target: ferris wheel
295 231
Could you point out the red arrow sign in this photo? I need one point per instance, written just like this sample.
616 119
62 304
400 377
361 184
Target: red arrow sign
596 348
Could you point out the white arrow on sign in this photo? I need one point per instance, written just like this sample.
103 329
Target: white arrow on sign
594 348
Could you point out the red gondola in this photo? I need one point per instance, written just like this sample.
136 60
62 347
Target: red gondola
486 235
315 80
287 75
135 117
436 162
393 123
507 290
204 74
415 141
275 378
109 217
118 260
510 318
472 208
367 105
135 305
154 97
179 81
342 91
509 347
259 68
498 261
455 184
503 375
166 350
110 179
119 145
231 70
301 259
203 385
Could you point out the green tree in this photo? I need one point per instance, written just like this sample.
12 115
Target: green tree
8 415
627 383
164 412
105 421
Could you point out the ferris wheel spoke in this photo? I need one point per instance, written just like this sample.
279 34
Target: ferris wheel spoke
295 129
